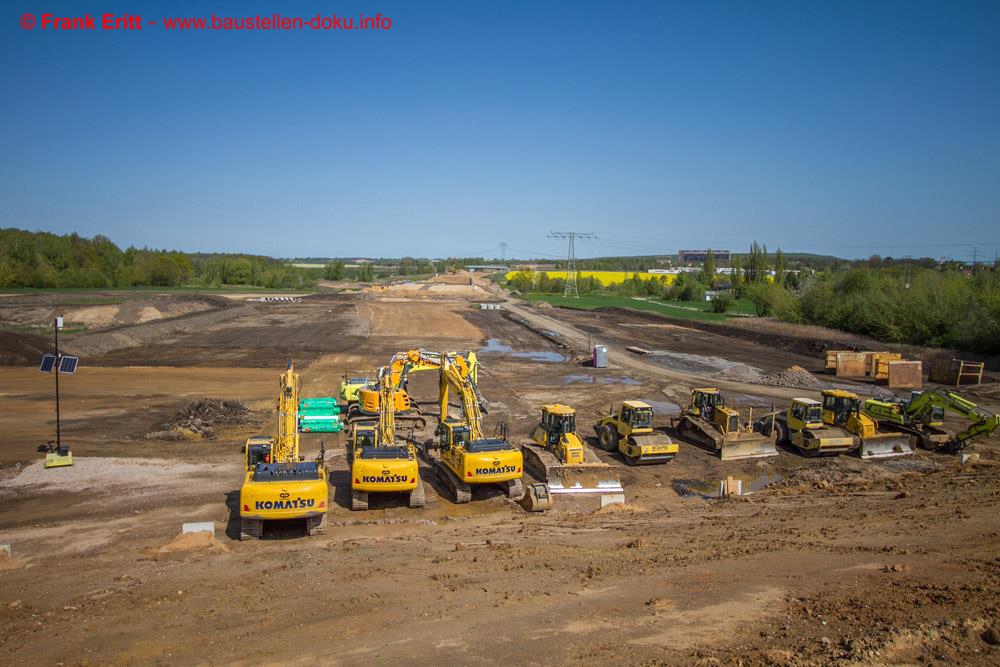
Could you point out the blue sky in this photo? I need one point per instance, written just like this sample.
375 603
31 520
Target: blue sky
847 128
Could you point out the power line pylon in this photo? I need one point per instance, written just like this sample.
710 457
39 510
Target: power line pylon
503 252
571 288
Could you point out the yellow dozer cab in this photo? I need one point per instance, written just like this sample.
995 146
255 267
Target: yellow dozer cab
843 409
710 423
801 426
630 432
558 456
278 484
381 469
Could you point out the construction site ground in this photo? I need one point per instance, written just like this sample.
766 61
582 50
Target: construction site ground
829 560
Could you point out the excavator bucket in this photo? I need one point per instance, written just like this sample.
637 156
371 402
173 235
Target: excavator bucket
885 446
747 446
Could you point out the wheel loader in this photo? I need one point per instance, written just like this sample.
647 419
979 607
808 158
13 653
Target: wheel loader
558 456
630 432
801 426
710 423
843 409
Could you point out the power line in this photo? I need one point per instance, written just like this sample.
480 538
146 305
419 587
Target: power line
571 286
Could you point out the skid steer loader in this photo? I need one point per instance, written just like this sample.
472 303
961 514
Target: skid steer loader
710 423
558 456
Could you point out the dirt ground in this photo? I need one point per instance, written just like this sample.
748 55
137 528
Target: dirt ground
828 561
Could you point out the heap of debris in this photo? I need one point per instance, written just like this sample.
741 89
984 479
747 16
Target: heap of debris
794 377
200 418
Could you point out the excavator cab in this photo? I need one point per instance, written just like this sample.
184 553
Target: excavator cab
453 433
258 450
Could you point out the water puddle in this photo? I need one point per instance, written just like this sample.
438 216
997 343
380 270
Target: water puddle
493 345
696 363
716 488
583 378
661 408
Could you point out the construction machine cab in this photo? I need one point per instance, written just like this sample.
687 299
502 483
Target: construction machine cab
839 406
258 450
636 415
805 413
705 400
453 433
558 420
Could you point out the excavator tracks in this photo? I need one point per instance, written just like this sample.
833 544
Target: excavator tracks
359 500
460 491
417 497
251 529
515 489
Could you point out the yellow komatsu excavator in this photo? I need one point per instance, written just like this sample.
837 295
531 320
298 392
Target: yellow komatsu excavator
843 409
630 432
278 483
710 423
382 462
801 426
467 458
559 457
367 401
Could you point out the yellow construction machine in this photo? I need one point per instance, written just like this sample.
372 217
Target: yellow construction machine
382 462
630 432
710 423
843 409
801 426
558 456
467 457
278 484
366 405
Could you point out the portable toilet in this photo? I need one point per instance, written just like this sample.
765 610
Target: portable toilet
599 356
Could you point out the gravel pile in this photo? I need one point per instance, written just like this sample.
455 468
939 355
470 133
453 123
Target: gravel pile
794 377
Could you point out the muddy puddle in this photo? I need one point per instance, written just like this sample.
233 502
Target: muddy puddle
696 363
713 488
661 407
494 346
584 378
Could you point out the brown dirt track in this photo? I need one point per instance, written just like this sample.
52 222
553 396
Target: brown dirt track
837 561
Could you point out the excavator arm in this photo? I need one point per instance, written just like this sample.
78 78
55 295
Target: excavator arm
983 421
456 374
286 447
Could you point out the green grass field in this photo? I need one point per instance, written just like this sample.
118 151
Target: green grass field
693 310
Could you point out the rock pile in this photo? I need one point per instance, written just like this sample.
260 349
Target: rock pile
794 377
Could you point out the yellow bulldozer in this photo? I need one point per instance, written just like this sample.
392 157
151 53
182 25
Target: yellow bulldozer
843 409
467 457
630 432
710 423
558 456
381 461
278 483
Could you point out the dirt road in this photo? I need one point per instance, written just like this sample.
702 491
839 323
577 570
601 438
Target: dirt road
830 561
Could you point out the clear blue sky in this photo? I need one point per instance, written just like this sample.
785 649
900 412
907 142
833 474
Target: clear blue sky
840 127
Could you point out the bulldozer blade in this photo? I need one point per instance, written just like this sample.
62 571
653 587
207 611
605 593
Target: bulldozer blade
748 448
584 479
885 446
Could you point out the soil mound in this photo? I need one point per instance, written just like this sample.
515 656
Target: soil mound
8 562
200 418
200 542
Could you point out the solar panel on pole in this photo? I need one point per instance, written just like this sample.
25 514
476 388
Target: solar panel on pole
68 364
48 361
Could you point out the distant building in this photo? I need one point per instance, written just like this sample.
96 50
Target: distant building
699 255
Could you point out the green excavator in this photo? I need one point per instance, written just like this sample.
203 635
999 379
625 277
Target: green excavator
922 416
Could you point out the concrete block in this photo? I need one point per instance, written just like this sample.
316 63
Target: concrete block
969 457
199 527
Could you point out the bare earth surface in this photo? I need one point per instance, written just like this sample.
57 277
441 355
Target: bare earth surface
830 561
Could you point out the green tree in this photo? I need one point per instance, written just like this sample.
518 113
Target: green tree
709 268
334 270
779 267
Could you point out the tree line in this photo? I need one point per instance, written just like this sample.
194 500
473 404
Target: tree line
42 259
